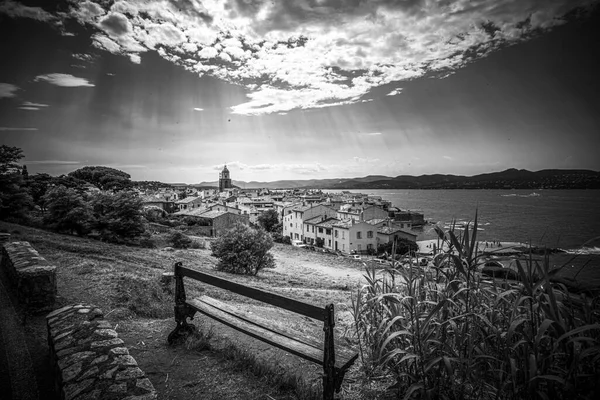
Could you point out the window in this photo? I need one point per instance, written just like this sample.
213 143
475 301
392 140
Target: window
328 231
359 235
291 225
336 233
369 246
313 229
369 234
329 243
320 230
359 247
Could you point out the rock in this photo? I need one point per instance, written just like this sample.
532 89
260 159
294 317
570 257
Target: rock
129 374
71 372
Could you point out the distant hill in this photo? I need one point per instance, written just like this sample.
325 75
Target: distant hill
508 179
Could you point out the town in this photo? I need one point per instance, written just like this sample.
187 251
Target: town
350 223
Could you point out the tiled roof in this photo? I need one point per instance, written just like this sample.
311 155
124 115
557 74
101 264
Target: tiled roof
193 213
343 224
375 221
314 220
328 223
212 214
386 230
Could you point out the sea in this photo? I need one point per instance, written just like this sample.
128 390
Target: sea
564 219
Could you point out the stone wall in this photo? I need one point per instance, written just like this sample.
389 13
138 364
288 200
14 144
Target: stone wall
89 359
33 278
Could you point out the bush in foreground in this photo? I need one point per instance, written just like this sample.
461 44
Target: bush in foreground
444 333
243 250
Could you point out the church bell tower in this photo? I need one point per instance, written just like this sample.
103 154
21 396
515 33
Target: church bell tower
224 179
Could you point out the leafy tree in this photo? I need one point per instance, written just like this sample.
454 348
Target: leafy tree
180 241
118 216
67 211
320 242
243 250
24 172
268 220
15 201
104 178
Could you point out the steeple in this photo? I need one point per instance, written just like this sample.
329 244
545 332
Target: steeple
224 179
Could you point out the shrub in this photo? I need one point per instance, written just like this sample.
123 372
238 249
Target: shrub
444 333
286 240
179 241
243 250
148 243
320 242
197 244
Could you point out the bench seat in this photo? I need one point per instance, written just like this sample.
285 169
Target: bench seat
286 339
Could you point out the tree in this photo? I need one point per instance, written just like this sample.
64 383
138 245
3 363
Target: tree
118 216
268 220
67 211
320 242
243 250
15 201
104 178
403 246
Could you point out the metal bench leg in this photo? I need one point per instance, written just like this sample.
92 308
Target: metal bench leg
182 310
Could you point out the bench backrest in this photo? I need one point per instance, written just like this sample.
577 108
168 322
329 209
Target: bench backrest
265 296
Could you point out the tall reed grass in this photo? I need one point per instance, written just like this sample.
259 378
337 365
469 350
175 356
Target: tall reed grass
444 332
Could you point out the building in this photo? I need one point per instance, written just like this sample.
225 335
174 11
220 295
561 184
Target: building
361 213
189 203
224 180
320 227
293 222
215 223
350 236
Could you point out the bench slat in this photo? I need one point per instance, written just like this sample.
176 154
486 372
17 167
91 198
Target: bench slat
343 355
277 300
293 346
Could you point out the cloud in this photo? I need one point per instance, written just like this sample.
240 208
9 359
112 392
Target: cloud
448 158
51 162
29 108
5 128
115 24
30 104
87 11
135 58
314 54
105 43
365 160
64 80
372 134
7 90
83 57
198 109
17 10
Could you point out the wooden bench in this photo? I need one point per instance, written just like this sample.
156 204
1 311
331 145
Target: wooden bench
335 360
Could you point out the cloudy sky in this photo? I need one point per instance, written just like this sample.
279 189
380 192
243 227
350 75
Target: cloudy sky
172 90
